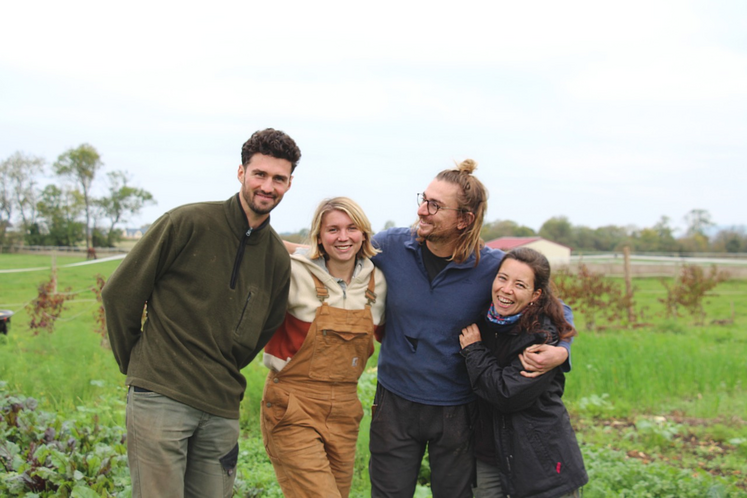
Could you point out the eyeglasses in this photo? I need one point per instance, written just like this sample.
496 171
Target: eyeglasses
433 206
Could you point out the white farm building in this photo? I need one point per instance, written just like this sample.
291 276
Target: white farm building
556 254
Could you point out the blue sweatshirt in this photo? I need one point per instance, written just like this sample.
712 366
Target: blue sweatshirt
420 356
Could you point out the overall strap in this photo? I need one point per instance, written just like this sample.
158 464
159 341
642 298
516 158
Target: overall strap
370 294
321 290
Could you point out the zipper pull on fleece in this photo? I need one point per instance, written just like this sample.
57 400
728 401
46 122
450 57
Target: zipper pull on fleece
239 257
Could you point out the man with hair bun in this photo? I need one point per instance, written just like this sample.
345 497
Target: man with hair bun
440 276
215 278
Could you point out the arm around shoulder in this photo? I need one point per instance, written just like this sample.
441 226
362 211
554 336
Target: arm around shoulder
539 359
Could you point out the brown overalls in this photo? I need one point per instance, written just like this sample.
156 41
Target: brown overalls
310 409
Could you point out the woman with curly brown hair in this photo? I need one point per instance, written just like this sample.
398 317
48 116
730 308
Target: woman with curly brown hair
524 443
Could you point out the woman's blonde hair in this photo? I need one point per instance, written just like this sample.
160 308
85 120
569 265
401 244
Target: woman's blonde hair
356 214
472 199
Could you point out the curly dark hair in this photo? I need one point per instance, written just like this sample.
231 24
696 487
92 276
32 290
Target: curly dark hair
548 304
271 142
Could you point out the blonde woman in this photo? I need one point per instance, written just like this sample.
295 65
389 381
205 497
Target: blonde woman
310 411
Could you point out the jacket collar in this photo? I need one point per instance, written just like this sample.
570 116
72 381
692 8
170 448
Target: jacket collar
513 329
363 267
237 218
501 328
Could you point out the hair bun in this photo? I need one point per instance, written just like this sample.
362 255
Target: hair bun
467 166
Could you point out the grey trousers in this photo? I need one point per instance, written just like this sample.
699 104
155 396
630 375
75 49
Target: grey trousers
177 451
489 483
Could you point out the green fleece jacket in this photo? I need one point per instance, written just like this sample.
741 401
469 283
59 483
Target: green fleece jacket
214 295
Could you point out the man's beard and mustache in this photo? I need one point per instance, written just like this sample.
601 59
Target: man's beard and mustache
439 235
256 207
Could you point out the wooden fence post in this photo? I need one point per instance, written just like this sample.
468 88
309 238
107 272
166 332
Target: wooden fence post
628 285
54 272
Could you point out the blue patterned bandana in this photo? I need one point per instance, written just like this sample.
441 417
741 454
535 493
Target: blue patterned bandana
494 317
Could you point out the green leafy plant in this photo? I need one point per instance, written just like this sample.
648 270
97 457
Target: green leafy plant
614 474
595 405
657 431
44 454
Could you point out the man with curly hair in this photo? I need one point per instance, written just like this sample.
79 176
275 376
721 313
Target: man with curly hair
214 279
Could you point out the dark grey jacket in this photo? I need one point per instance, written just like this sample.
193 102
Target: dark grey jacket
535 446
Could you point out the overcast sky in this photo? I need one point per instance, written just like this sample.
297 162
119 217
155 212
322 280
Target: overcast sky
604 112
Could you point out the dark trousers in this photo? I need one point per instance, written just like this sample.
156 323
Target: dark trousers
400 432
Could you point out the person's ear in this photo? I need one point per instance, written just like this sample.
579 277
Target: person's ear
536 295
465 220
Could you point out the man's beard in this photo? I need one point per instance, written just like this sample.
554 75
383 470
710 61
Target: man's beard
439 236
258 209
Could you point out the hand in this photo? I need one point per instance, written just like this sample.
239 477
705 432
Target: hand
292 246
541 358
469 335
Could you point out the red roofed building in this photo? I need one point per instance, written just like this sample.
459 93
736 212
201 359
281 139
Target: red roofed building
556 254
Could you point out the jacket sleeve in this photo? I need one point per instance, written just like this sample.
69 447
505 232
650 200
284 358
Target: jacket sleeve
503 387
568 314
130 286
276 314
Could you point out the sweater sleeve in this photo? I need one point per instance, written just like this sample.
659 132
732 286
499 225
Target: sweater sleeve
503 387
278 306
128 289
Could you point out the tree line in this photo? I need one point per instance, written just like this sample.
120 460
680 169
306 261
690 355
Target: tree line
65 212
661 237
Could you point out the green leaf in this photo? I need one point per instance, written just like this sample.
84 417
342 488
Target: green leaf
80 491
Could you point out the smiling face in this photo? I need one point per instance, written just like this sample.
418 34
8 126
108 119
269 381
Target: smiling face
264 182
340 237
513 287
444 226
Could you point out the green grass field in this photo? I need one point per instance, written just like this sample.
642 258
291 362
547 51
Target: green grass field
660 410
